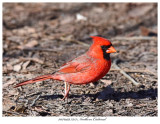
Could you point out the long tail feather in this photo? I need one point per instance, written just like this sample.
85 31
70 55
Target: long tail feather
40 78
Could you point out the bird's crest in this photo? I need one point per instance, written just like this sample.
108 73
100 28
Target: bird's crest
100 41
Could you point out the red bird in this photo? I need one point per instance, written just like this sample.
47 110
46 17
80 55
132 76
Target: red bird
87 68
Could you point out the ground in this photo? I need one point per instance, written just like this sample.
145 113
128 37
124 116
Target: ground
40 37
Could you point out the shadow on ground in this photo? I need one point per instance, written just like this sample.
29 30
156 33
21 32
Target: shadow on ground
109 94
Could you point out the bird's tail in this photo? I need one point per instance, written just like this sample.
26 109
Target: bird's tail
40 78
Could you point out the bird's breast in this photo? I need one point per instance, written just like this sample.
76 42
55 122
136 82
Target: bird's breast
101 69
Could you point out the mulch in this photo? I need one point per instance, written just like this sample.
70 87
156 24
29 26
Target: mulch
39 37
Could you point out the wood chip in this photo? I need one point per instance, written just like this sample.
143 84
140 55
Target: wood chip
17 67
30 44
10 82
32 59
106 82
25 64
108 112
7 104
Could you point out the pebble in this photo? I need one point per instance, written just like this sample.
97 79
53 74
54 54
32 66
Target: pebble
108 112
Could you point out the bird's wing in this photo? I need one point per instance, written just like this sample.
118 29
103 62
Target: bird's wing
79 64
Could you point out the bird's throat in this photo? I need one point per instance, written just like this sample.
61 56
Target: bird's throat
106 56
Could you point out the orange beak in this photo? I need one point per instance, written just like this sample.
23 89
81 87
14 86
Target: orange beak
111 50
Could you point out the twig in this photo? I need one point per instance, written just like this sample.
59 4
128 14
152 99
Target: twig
32 59
125 74
79 42
16 113
134 71
149 113
70 39
39 49
27 59
10 82
79 112
135 38
34 101
32 94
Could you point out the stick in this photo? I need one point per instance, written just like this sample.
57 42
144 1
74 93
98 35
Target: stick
135 38
16 113
79 42
39 49
32 94
69 39
125 74
83 111
135 71
32 59
34 101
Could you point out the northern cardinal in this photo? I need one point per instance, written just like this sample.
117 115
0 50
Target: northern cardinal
87 68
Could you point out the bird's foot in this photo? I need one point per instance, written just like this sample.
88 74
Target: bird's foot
66 91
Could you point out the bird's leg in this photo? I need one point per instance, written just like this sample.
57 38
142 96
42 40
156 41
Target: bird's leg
67 88
65 84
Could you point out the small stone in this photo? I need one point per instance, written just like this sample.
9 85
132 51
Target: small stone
129 105
108 112
110 104
18 67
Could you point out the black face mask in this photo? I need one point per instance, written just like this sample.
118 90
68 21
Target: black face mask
105 55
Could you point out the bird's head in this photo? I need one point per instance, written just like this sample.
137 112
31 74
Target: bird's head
104 43
101 46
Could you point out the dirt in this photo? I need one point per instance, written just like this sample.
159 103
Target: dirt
39 37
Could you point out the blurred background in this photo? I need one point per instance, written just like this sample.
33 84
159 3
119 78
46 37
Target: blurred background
40 37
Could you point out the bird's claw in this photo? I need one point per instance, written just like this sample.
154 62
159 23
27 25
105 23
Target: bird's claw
66 91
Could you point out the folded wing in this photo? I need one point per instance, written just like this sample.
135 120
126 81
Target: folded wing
79 64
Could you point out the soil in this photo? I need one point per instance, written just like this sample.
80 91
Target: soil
40 37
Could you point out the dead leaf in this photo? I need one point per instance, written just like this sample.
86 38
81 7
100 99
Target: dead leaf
98 10
30 30
32 59
140 11
66 20
10 82
81 17
31 43
15 39
7 104
106 82
108 112
20 108
5 70
92 85
9 66
24 31
38 108
28 45
144 31
17 67
129 105
13 92
147 32
25 64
